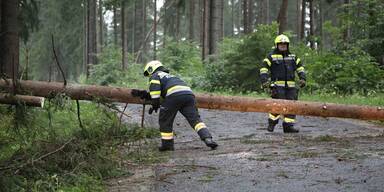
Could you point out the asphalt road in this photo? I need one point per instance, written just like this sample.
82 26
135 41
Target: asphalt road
329 154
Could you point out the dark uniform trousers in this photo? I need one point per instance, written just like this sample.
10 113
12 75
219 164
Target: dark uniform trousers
186 104
288 93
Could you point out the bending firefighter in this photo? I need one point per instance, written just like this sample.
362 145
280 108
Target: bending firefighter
176 96
278 75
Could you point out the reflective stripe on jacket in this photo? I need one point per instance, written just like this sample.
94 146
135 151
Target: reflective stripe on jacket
163 84
281 69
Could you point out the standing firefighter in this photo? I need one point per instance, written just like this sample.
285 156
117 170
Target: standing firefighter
278 75
177 96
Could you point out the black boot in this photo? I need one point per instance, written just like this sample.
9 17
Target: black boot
210 143
166 145
290 129
271 125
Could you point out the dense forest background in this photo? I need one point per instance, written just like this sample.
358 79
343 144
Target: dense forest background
107 41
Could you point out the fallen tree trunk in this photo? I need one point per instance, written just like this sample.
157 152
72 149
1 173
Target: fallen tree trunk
245 104
21 99
280 106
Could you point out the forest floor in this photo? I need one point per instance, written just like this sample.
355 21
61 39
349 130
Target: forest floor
329 154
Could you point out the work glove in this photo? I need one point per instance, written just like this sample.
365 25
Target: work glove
155 106
266 87
302 83
266 84
143 94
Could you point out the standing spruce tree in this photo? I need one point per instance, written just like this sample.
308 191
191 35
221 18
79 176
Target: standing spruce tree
9 38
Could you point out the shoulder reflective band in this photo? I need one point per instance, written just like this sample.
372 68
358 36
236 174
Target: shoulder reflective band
166 136
177 88
155 82
267 61
275 56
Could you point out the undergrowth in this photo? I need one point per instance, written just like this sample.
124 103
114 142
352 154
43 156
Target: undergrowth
49 150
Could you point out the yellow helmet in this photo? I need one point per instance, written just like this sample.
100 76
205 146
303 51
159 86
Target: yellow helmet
281 39
151 66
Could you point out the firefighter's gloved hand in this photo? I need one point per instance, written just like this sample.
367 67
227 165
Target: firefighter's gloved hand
302 83
266 84
155 106
268 90
152 109
143 94
266 87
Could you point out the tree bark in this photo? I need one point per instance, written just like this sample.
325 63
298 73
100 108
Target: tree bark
32 101
216 29
263 15
196 21
321 20
298 18
144 29
114 10
101 26
85 41
311 24
139 26
303 15
206 24
347 32
245 16
191 20
9 38
178 20
155 30
123 36
282 17
244 104
268 14
233 17
250 15
91 35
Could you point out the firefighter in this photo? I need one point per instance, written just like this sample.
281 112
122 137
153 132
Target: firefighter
176 96
278 75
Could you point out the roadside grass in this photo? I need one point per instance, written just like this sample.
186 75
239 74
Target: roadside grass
48 150
355 99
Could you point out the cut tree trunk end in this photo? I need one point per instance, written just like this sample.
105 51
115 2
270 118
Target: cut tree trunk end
22 99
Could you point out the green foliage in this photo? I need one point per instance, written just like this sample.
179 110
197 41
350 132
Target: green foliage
355 99
344 72
183 58
47 150
109 70
239 61
365 19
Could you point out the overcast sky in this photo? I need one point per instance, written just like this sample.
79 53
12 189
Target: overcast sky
108 16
